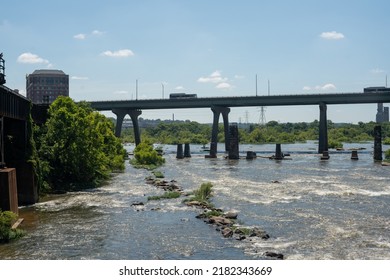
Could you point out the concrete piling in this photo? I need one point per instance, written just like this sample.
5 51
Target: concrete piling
354 155
325 155
378 143
278 152
187 152
233 142
179 154
250 155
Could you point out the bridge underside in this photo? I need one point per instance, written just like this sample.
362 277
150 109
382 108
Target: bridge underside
217 111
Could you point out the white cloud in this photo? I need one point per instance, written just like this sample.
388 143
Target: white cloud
80 36
97 33
119 53
121 92
328 86
214 77
30 58
239 77
333 35
79 78
377 71
83 36
223 85
179 88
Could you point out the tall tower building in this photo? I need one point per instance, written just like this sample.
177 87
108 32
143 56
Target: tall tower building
382 114
44 86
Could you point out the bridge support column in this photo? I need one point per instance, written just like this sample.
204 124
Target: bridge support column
214 134
233 137
378 143
120 115
323 130
225 116
134 118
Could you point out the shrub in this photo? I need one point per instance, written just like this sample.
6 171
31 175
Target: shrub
146 156
387 155
6 220
204 192
167 195
158 174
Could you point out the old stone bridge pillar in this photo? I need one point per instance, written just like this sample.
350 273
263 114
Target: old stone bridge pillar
323 130
214 134
120 115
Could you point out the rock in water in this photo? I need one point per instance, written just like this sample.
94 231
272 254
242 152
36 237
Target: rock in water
274 255
227 232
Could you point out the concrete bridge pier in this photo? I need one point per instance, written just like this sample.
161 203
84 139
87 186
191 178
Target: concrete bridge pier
323 130
134 114
214 134
120 115
378 143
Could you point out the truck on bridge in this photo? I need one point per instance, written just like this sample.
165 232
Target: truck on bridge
182 96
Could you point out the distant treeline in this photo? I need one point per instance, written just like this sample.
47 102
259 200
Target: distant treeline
272 132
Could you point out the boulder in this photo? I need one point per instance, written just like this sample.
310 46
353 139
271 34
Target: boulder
227 232
256 232
137 203
221 221
274 255
231 215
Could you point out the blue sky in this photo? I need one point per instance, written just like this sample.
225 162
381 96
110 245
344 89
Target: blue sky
211 48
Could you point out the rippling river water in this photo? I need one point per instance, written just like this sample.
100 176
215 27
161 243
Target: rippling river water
335 209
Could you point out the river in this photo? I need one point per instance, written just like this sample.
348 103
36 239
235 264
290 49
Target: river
333 209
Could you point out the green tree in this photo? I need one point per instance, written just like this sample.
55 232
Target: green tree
146 156
6 232
79 146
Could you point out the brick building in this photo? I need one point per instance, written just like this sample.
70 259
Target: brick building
44 86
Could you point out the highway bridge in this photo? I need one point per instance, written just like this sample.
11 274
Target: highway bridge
245 101
221 105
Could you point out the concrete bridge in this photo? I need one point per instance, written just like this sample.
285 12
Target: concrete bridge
222 105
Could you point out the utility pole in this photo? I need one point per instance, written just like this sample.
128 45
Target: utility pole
136 89
269 89
162 85
256 84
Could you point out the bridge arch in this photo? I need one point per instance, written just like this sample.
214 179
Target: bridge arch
134 114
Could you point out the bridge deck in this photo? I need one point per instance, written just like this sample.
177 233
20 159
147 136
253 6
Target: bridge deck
245 101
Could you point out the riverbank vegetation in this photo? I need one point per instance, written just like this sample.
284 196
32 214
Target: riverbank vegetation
201 196
145 156
7 218
76 147
272 132
387 155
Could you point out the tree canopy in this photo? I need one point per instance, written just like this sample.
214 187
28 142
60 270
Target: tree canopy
272 132
77 146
